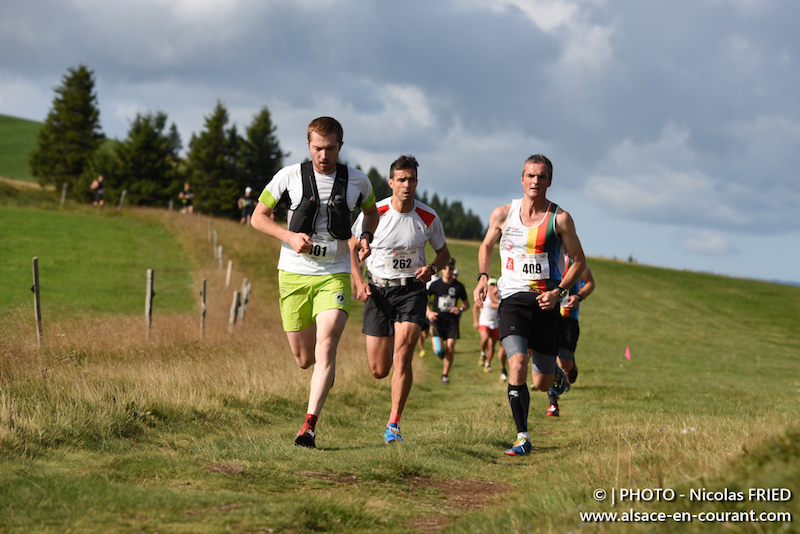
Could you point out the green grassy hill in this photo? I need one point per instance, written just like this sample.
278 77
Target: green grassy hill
179 435
17 140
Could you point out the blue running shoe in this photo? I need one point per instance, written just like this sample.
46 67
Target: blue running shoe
560 383
521 447
392 434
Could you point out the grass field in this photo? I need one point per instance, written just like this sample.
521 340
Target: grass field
17 140
101 431
90 262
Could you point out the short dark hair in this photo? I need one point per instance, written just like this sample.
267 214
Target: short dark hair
538 158
405 162
325 126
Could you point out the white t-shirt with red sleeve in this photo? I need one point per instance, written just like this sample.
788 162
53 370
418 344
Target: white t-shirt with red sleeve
398 248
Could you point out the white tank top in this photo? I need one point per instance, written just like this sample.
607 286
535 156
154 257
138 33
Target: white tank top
530 257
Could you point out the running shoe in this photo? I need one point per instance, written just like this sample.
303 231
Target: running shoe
445 380
560 384
305 437
503 376
422 353
392 433
521 447
487 369
552 411
482 360
573 374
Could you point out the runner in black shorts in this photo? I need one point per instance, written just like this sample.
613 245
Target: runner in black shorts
395 298
446 313
570 331
534 234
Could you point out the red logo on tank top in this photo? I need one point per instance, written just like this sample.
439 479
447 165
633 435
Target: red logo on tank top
510 264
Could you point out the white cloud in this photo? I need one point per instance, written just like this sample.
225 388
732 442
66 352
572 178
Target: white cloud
547 15
709 243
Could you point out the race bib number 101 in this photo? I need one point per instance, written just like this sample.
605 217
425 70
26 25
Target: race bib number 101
323 250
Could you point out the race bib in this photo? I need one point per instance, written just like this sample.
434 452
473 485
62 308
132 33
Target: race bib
532 266
401 262
323 250
446 302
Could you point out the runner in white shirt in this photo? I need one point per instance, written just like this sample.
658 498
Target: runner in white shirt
396 299
486 319
314 263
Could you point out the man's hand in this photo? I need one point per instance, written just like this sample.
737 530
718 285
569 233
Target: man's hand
549 299
423 274
365 250
479 295
300 242
363 292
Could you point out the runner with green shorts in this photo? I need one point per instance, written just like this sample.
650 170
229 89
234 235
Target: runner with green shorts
314 263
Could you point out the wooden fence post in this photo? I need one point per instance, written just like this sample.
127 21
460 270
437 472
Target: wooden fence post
122 198
234 310
170 205
63 194
209 231
203 308
244 299
219 256
215 244
228 276
37 310
148 304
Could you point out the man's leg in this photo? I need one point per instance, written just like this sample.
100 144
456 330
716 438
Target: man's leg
519 398
448 356
330 325
405 337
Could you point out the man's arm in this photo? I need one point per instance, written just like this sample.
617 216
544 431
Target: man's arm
496 221
363 292
370 224
262 221
565 227
442 257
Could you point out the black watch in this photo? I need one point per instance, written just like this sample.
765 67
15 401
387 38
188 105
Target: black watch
433 267
370 238
482 274
563 293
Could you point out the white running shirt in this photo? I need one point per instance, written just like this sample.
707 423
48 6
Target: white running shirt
330 256
398 248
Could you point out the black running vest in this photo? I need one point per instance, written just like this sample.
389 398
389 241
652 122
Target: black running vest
305 216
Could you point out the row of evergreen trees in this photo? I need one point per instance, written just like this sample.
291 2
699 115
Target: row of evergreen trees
219 164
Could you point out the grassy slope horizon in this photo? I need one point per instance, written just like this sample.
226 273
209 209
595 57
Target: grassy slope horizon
708 399
17 140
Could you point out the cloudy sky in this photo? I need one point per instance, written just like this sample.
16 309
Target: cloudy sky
673 126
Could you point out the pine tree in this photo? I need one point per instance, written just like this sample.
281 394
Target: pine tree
70 135
214 161
261 153
148 161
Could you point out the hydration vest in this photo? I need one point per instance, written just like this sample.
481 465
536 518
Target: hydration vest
304 217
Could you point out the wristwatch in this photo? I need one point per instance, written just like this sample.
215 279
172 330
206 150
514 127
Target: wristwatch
563 293
370 235
482 274
433 268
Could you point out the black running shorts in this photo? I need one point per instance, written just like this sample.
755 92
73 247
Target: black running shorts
389 305
520 315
